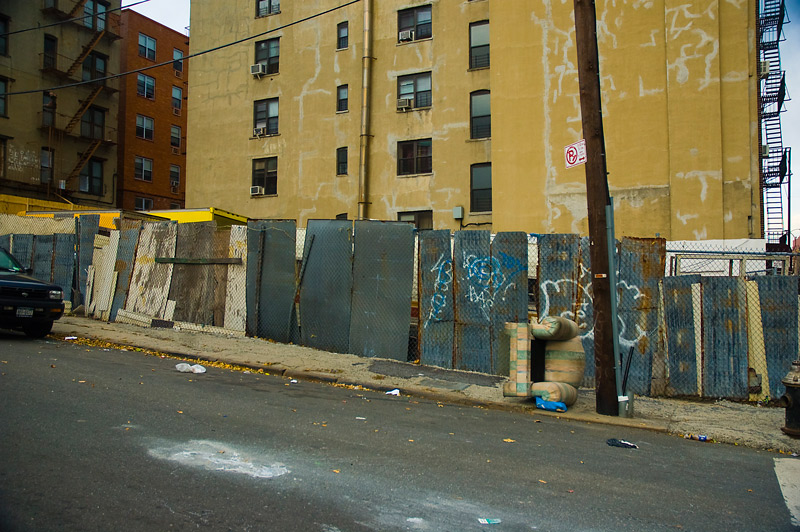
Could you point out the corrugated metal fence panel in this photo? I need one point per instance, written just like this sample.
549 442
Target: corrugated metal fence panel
778 298
641 266
43 257
326 290
383 268
436 316
509 289
724 337
126 253
5 242
255 249
87 227
559 273
680 334
192 284
277 284
473 293
23 250
64 263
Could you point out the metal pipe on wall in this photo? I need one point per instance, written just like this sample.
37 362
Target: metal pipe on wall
366 69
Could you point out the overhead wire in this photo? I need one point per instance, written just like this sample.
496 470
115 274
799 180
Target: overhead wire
196 54
76 19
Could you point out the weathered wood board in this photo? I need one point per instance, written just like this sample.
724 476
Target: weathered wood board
150 282
192 286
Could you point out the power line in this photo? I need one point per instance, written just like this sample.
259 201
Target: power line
157 65
70 20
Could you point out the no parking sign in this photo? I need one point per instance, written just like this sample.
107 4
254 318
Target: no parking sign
575 154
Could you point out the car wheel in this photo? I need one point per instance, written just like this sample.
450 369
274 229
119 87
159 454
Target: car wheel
38 330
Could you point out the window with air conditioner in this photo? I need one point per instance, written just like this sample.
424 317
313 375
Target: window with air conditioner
265 115
414 89
265 174
414 24
268 54
177 61
175 138
414 157
174 175
177 98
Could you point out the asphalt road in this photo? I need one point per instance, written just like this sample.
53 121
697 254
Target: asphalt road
96 439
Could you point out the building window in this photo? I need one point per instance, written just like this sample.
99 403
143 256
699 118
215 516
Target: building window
175 137
480 188
94 66
177 97
480 117
267 7
46 165
50 56
265 174
265 115
144 127
175 206
177 60
91 178
143 204
420 219
416 88
94 12
479 44
414 24
147 47
268 53
341 98
341 161
143 169
48 109
174 175
3 97
3 35
414 157
342 36
146 86
93 123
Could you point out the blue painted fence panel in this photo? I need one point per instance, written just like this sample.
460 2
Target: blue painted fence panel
778 298
5 242
473 305
383 270
43 257
509 288
88 226
436 314
680 334
22 250
326 290
724 337
64 263
559 271
126 255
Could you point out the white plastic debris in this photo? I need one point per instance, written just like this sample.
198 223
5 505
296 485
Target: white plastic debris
489 521
293 381
393 392
183 367
361 418
70 338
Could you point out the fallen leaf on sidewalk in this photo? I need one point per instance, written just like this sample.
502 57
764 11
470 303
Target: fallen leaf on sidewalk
543 481
509 440
336 471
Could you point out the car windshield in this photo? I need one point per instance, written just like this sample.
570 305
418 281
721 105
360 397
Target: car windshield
9 263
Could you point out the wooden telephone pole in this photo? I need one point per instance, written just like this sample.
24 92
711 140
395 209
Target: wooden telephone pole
597 197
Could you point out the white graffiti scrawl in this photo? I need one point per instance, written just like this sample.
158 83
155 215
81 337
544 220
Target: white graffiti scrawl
444 279
490 278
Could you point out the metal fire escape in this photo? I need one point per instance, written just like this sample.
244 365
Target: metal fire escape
775 158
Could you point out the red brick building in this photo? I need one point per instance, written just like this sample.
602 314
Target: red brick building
152 115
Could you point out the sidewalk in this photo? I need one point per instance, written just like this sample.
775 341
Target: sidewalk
722 421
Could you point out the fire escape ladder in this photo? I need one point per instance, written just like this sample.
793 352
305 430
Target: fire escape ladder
87 49
77 8
84 158
85 104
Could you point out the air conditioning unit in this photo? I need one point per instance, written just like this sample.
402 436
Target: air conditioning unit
174 189
765 151
62 184
176 111
404 103
406 35
259 69
256 191
176 150
259 132
179 74
763 69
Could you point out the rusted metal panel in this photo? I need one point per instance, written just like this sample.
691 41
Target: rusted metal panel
680 334
473 300
383 267
724 337
326 290
43 257
509 293
192 286
64 263
436 318
641 266
126 253
778 298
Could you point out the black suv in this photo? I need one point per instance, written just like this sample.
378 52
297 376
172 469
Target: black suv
27 303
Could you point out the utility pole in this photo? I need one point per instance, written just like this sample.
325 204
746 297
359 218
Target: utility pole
597 197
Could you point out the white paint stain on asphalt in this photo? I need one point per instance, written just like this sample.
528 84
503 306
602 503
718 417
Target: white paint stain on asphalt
788 472
216 456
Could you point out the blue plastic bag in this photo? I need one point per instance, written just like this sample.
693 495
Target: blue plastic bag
552 406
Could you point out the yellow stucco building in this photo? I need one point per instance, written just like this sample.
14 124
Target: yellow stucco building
419 110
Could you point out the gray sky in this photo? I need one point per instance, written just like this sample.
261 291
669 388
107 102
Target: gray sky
175 14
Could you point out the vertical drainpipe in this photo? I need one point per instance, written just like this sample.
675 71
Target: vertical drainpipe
366 67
